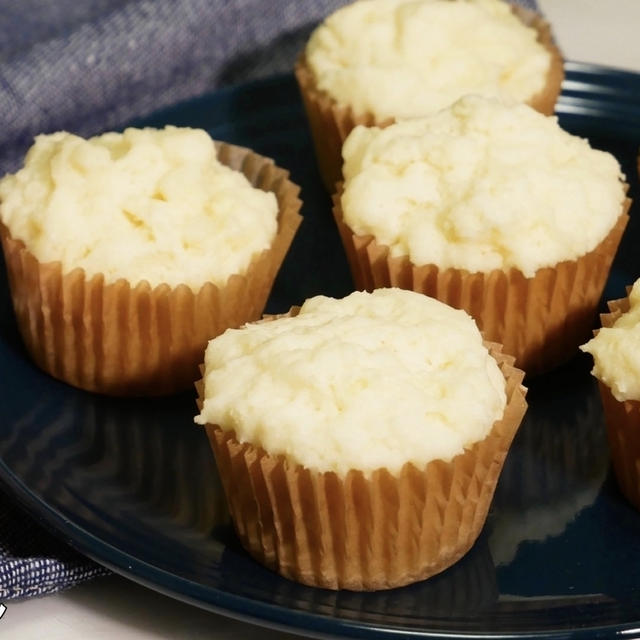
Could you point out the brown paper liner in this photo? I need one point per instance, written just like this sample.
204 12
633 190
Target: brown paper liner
467 589
540 320
622 420
330 123
120 339
358 532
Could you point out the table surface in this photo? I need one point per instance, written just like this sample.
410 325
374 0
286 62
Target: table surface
113 606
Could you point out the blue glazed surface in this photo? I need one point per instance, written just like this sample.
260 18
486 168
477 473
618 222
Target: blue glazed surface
132 483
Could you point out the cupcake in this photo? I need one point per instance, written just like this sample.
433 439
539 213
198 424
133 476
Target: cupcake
376 61
616 355
367 452
492 208
127 252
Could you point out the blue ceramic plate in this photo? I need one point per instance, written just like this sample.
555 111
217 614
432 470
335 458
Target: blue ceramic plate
132 483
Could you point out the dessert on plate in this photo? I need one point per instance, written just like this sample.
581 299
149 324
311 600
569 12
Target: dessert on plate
366 454
128 251
616 354
376 61
490 207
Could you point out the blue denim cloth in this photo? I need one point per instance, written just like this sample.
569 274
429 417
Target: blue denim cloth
92 66
33 562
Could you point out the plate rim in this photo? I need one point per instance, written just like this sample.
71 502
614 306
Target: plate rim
244 608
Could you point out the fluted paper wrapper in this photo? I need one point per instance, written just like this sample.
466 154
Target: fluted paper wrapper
540 320
124 339
364 532
622 420
330 123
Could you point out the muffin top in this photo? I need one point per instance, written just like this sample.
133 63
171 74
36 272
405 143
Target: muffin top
616 352
373 380
481 185
407 58
146 204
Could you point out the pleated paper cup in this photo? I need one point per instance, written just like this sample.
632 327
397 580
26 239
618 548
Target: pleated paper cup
330 122
540 320
128 338
467 589
364 532
622 421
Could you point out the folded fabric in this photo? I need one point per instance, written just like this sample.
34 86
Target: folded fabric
32 561
88 67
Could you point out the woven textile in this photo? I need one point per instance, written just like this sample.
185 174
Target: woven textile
92 66
32 562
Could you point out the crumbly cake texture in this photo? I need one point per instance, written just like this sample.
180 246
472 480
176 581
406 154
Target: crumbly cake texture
131 339
541 314
540 320
393 369
365 531
145 204
616 351
408 58
481 185
331 121
622 415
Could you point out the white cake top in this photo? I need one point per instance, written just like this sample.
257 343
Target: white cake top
407 58
616 352
146 204
369 381
480 186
